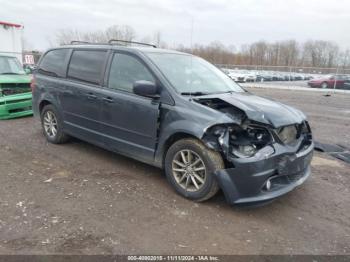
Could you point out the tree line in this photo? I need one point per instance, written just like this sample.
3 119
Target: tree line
288 53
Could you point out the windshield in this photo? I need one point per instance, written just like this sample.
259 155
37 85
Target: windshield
10 65
193 75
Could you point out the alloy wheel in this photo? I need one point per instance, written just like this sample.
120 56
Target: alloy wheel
189 170
50 124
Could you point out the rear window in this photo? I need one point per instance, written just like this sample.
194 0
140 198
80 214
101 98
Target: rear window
53 63
87 65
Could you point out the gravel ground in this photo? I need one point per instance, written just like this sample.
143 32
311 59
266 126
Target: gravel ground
79 199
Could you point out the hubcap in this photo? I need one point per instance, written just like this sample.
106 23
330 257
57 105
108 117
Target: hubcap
189 170
50 124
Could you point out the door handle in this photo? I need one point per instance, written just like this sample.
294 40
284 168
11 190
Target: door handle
108 99
91 96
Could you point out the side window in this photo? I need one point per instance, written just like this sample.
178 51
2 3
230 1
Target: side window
87 65
53 63
125 70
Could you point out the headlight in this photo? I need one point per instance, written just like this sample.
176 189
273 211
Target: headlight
288 134
247 142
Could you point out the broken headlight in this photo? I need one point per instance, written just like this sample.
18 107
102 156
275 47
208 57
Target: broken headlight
242 142
288 134
247 142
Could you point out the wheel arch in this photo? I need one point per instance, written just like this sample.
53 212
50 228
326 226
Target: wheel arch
169 142
43 103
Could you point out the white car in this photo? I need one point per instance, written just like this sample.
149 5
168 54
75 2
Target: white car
242 76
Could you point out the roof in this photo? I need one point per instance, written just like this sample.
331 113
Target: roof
10 24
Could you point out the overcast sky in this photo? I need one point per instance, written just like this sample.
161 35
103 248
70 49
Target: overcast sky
234 22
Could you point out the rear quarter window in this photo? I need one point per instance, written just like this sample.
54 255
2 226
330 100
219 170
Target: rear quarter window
54 62
87 65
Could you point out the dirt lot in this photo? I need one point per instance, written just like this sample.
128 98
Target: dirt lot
77 198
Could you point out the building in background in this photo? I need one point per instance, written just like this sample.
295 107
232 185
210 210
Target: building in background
11 40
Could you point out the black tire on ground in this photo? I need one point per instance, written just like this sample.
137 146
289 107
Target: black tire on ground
60 136
212 162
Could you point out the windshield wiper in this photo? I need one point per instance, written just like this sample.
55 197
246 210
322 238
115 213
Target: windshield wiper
226 92
194 93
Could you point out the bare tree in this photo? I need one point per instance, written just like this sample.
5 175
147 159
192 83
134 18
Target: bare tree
123 32
289 53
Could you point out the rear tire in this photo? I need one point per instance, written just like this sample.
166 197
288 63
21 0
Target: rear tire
52 125
190 167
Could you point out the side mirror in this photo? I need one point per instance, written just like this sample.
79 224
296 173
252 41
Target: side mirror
27 71
146 88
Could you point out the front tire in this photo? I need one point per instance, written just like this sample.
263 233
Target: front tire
190 167
52 125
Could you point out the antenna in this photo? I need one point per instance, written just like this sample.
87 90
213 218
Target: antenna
192 26
191 37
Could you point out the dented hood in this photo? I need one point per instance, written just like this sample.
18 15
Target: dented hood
14 79
263 110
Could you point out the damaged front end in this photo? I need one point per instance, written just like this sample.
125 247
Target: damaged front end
15 100
263 161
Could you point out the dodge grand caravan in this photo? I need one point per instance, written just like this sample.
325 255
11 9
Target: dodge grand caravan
177 112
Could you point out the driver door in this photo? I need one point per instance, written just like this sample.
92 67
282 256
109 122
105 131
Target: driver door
129 122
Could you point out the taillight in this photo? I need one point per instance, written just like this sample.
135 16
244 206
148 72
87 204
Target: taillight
33 84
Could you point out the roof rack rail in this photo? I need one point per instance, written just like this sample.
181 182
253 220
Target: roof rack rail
110 42
79 42
130 42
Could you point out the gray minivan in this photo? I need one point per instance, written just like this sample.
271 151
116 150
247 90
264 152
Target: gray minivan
175 111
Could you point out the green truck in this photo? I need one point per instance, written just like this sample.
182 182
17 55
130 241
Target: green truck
15 91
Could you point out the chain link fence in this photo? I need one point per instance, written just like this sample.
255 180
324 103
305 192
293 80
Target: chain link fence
291 69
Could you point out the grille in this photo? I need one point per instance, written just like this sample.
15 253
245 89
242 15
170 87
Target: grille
17 110
12 89
17 101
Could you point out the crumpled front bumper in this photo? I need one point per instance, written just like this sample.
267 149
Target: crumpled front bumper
247 181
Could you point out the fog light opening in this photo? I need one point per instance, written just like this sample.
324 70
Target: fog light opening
268 185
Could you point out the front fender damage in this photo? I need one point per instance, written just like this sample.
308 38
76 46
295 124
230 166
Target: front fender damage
216 134
217 138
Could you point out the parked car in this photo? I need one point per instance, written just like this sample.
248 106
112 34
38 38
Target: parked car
329 81
177 112
265 76
238 76
347 84
15 92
